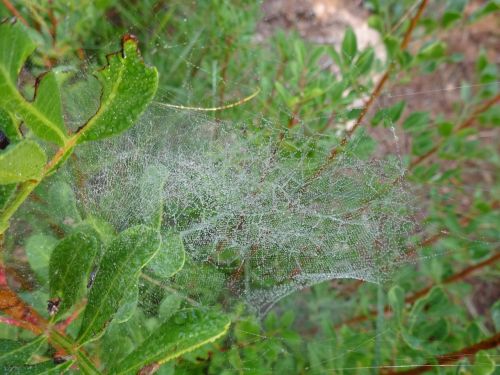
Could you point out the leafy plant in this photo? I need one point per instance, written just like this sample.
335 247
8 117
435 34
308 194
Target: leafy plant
434 314
114 261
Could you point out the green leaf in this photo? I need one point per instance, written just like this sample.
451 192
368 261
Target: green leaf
15 353
484 364
432 51
151 186
364 62
170 304
128 87
170 258
129 304
389 115
38 249
21 161
118 270
44 115
416 121
184 332
44 368
349 45
396 298
8 127
69 268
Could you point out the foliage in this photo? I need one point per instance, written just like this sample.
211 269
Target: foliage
110 305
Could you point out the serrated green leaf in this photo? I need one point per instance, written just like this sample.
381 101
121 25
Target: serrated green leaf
38 249
21 161
69 268
349 45
15 353
128 87
43 116
170 258
184 332
118 270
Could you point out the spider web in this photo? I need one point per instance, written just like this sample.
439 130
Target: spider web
254 215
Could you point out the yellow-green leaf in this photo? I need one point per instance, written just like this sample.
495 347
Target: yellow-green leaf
186 331
21 161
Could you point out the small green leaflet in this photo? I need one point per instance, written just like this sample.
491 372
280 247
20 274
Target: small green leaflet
20 162
118 271
69 268
128 87
44 115
186 331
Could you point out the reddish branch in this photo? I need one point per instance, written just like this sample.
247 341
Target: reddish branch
467 123
489 343
12 9
412 298
376 92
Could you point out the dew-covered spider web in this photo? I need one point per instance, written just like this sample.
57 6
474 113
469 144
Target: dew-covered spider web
255 221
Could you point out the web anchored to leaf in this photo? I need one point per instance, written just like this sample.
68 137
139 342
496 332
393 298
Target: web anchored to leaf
252 221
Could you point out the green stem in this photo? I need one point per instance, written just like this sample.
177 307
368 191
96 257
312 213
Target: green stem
64 342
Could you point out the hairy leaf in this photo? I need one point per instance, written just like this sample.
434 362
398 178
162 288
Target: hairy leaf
128 87
119 269
69 268
44 114
185 331
20 162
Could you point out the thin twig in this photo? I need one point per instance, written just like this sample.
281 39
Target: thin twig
470 351
14 12
412 298
464 125
374 95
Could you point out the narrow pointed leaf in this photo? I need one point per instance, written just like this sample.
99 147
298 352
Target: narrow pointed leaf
69 268
184 332
118 270
14 353
43 116
128 85
20 162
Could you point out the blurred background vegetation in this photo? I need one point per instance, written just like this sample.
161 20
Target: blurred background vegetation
316 63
